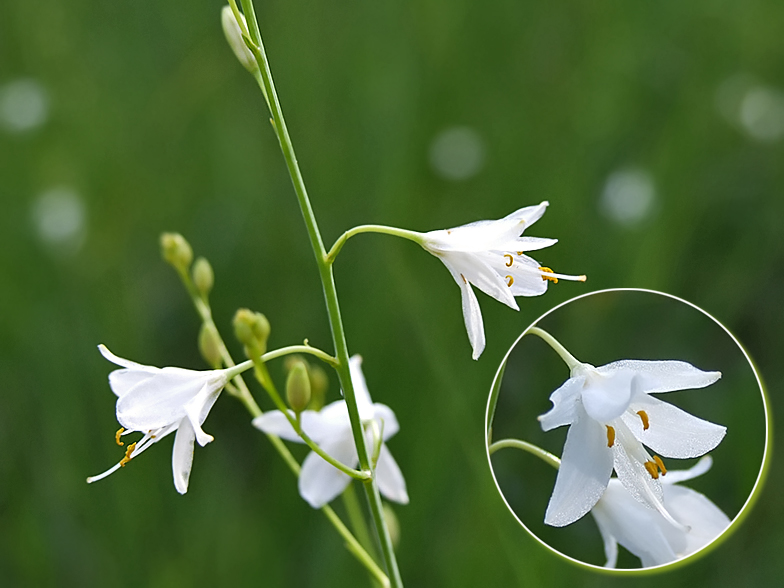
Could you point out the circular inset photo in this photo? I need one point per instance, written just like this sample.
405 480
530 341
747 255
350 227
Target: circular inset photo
627 429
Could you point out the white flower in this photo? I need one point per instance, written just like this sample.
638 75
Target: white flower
320 482
611 415
649 535
158 401
490 255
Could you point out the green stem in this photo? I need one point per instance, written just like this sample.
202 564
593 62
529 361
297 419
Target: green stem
545 456
410 235
330 293
493 401
262 374
567 357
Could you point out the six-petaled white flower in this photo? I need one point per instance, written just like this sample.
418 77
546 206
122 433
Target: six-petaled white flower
320 482
649 535
611 415
491 256
158 401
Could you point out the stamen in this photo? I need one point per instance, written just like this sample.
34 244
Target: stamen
464 280
128 453
652 469
549 271
511 260
644 418
520 252
510 281
117 436
660 463
610 436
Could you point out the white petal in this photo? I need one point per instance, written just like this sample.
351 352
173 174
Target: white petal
633 525
610 544
705 520
182 455
529 214
126 363
628 458
699 468
606 397
532 243
124 380
663 376
671 431
319 481
198 409
330 421
472 314
161 400
520 271
364 403
586 465
390 479
275 422
384 415
564 401
473 268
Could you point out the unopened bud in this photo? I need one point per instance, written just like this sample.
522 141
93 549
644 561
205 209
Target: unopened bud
234 36
252 330
209 346
176 251
319 382
393 525
203 277
298 387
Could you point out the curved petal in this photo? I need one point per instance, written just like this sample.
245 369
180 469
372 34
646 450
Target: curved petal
472 314
390 479
160 400
386 417
361 393
672 432
699 468
182 455
606 531
628 459
606 397
633 525
564 399
585 469
663 376
126 363
705 520
528 214
319 481
471 267
124 380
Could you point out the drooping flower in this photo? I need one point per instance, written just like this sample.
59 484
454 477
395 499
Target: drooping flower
649 535
321 482
491 256
611 415
159 401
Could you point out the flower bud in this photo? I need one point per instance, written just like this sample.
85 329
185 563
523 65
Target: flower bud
176 251
319 382
203 277
209 346
298 387
234 36
252 330
393 525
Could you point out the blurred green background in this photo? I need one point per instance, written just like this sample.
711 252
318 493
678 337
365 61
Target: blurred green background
654 130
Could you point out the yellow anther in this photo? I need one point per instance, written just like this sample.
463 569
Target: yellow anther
464 280
520 252
127 457
652 469
509 281
117 436
610 436
511 260
660 463
548 271
644 418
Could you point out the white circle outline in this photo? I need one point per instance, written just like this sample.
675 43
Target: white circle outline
738 517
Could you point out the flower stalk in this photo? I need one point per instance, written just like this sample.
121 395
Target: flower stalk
330 292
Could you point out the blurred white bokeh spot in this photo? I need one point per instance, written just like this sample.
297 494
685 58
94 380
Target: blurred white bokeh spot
753 108
59 218
24 105
628 196
762 113
457 153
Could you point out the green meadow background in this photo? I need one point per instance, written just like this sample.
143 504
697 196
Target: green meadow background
653 129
